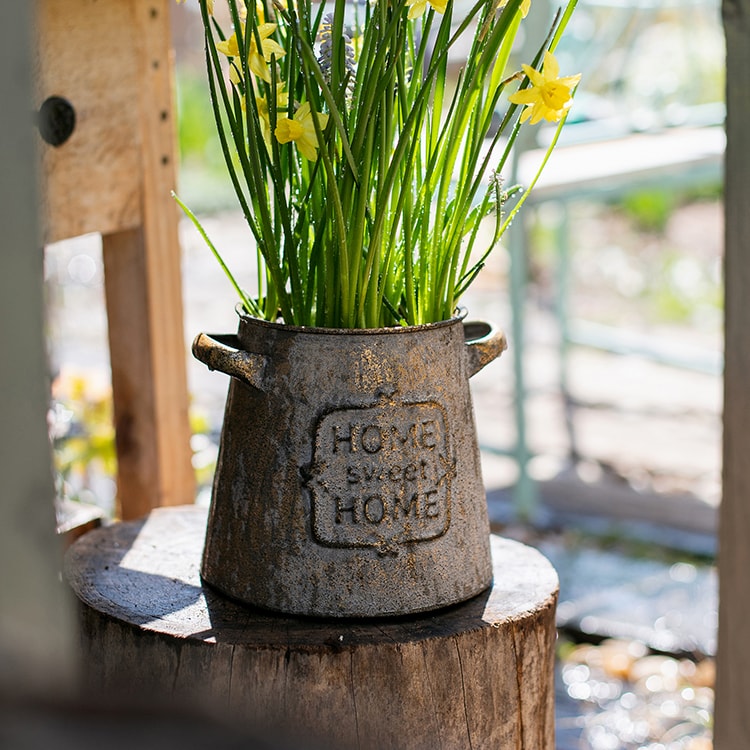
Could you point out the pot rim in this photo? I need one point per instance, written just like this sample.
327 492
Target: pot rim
246 318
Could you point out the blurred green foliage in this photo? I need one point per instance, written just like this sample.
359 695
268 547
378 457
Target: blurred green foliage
203 181
650 209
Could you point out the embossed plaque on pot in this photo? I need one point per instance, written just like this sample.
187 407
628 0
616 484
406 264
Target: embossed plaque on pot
382 476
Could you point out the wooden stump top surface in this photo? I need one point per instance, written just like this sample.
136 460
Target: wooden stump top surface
147 573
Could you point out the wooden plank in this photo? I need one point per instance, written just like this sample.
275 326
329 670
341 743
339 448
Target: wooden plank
148 385
133 391
162 274
87 53
732 720
74 519
476 675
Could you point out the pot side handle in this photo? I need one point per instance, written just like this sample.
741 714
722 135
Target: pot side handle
484 343
223 353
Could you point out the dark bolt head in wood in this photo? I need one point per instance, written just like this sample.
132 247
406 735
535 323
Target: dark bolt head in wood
56 120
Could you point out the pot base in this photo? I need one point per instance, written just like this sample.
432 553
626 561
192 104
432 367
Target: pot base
374 596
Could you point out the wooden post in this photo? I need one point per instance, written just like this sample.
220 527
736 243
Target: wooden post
477 675
36 619
111 61
732 725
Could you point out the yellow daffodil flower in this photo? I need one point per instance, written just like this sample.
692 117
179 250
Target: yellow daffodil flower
525 7
268 47
282 102
235 77
229 47
301 130
549 96
418 7
256 60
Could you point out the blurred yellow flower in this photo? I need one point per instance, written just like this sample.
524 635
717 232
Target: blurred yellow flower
418 7
549 97
268 48
229 47
525 6
282 102
301 130
256 60
235 76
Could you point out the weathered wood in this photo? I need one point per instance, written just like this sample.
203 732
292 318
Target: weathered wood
36 621
68 724
74 519
88 54
131 362
111 61
161 252
478 675
732 725
149 387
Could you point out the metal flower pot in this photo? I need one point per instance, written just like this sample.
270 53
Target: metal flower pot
348 480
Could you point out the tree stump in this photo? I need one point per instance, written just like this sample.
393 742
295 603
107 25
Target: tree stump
476 675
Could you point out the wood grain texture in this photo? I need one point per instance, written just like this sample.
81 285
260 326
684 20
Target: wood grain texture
163 271
134 390
732 720
112 61
478 675
87 53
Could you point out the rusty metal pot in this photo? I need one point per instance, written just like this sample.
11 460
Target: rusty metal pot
348 480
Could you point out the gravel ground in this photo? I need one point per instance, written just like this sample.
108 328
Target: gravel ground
618 696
